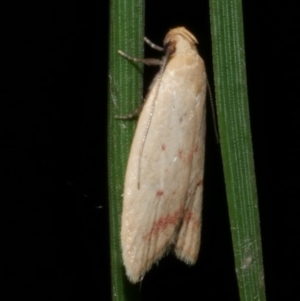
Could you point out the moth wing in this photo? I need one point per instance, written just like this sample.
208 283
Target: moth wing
189 236
160 186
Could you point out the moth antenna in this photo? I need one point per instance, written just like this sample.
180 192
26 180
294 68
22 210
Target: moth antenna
161 71
212 105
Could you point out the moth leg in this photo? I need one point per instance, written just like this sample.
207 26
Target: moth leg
145 61
137 111
152 45
133 114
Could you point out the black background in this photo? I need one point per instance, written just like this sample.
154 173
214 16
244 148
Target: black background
54 209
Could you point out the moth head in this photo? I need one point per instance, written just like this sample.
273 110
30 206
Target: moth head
179 39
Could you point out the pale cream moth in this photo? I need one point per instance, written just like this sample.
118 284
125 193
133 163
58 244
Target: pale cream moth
162 198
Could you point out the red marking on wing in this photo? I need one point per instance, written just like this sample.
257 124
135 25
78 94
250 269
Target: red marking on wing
199 183
196 149
159 193
163 222
190 156
189 217
180 153
163 147
186 156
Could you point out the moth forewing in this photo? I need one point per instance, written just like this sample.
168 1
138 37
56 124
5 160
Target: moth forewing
188 241
164 177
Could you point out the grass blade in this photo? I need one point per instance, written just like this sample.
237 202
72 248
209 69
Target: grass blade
236 145
125 94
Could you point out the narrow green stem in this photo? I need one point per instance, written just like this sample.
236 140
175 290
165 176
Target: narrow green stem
236 145
125 94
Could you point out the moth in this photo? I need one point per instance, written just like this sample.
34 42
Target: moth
162 198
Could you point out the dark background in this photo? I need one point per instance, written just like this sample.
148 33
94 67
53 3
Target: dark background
54 231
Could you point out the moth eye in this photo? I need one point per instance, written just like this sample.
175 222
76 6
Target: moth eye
166 46
170 48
